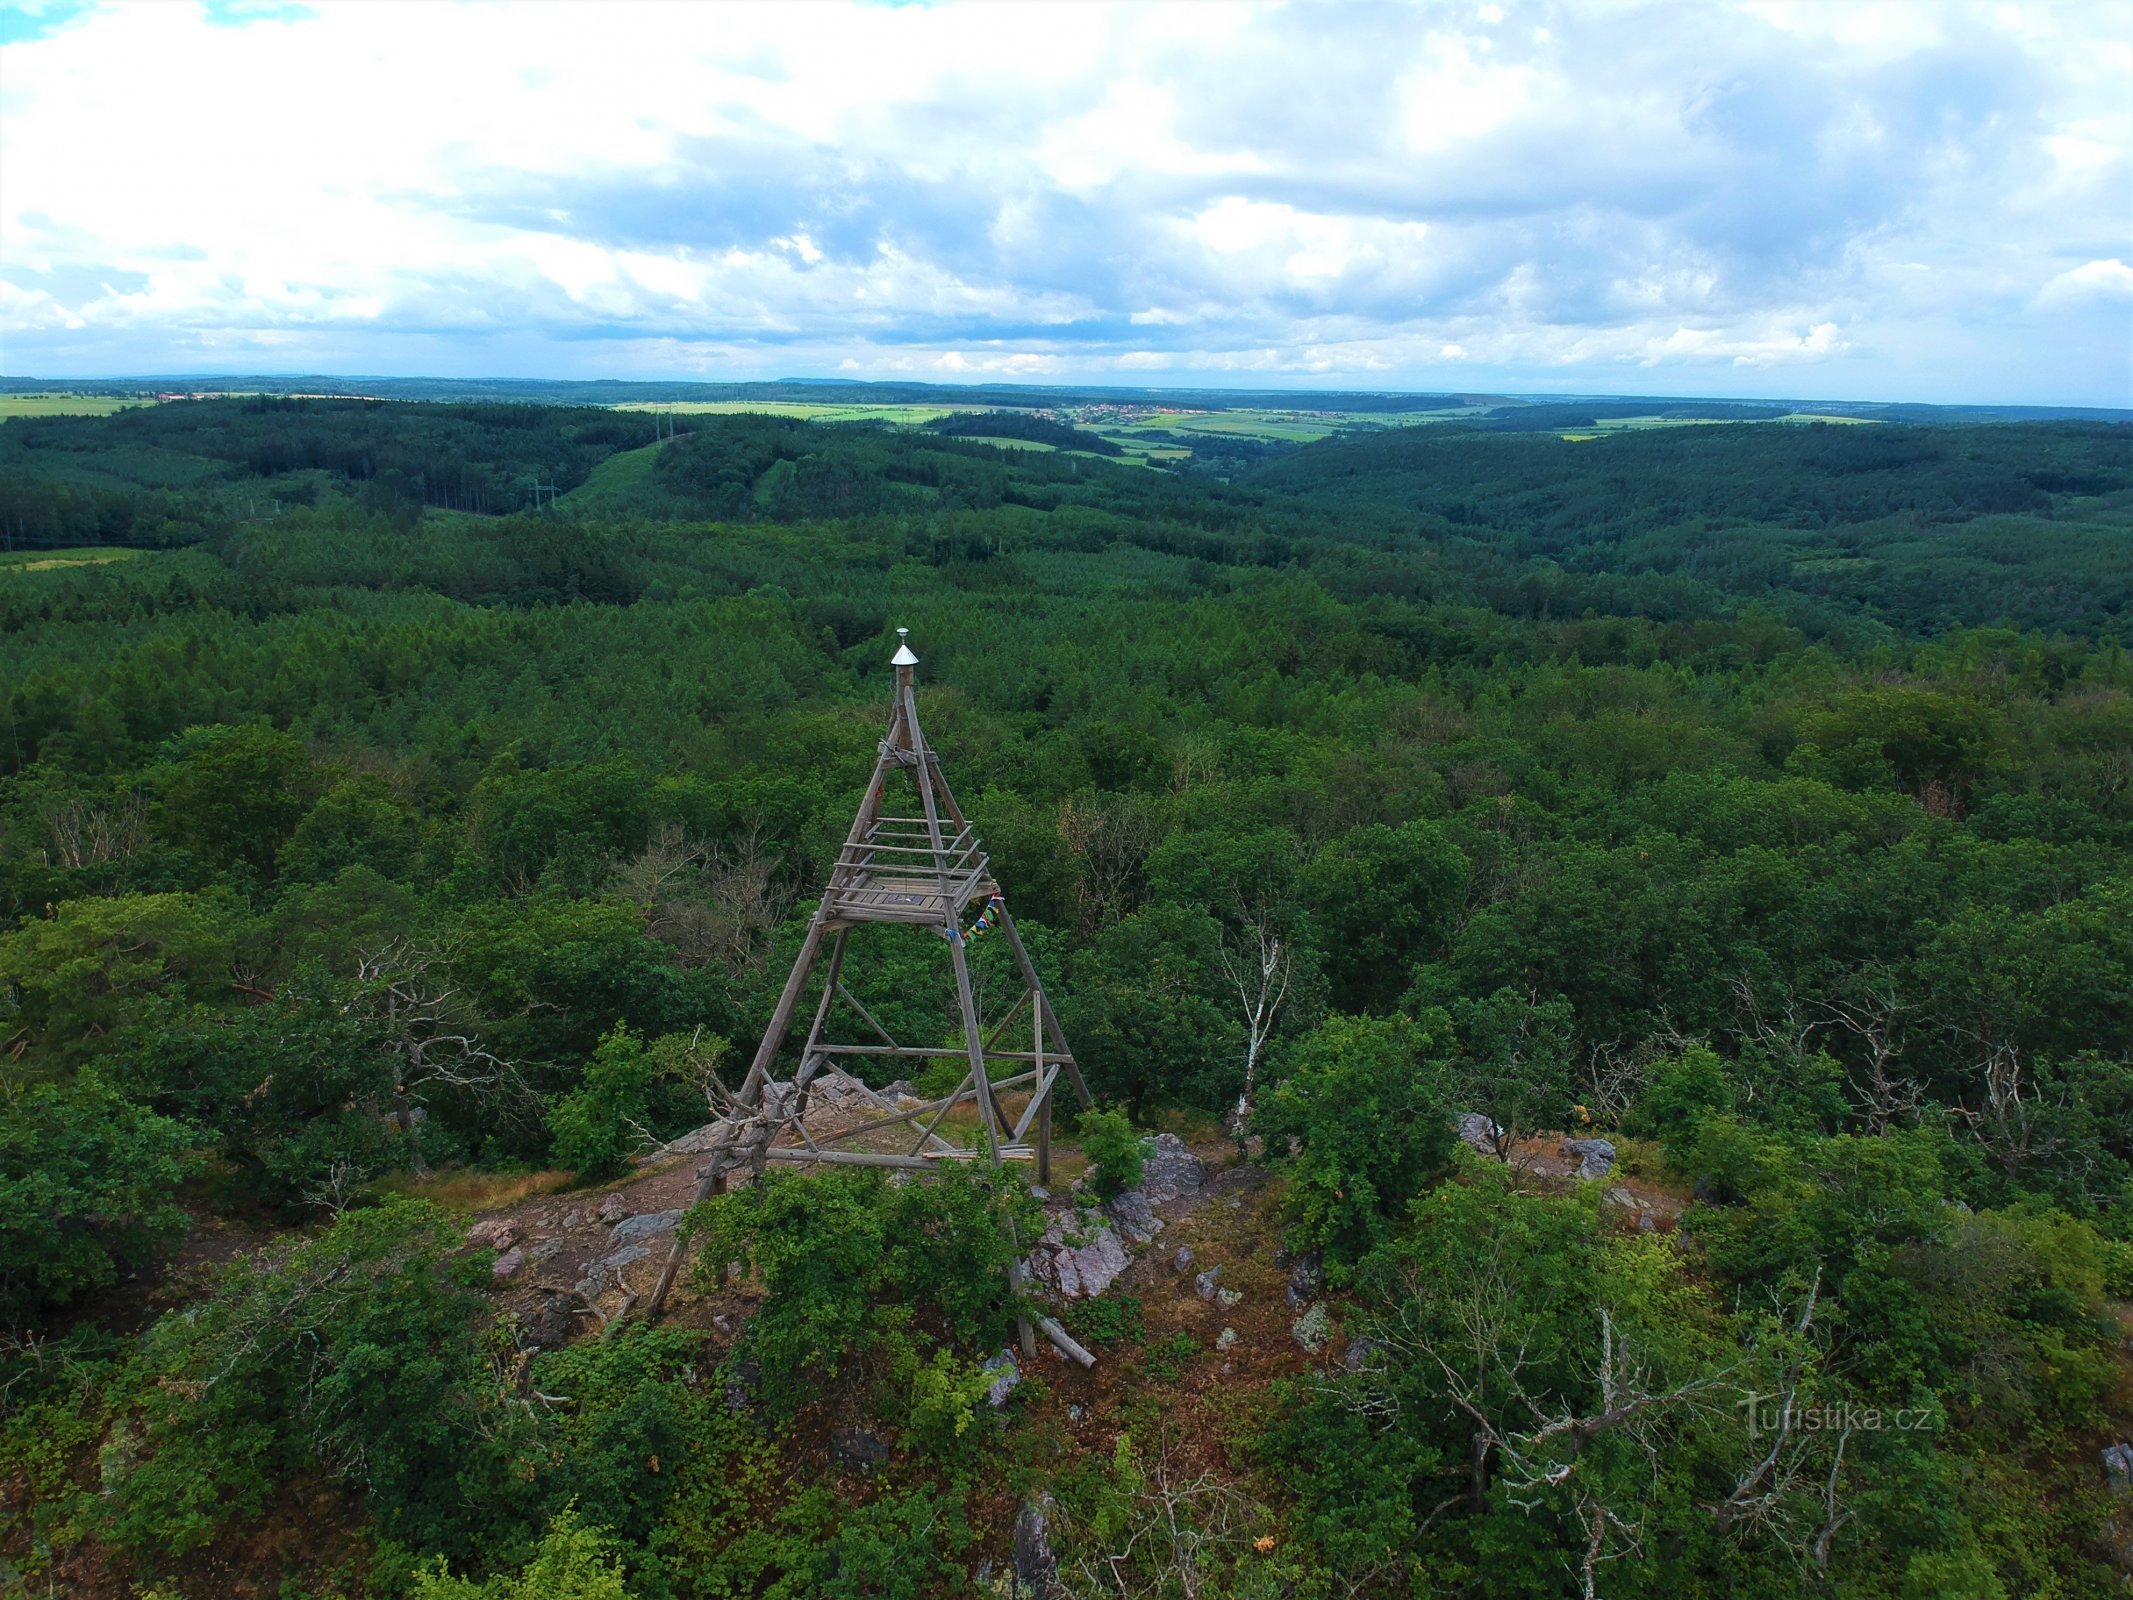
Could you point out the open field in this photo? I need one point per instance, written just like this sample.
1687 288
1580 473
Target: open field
66 405
1612 425
805 411
52 560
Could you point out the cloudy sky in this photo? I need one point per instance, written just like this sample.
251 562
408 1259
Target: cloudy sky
1927 200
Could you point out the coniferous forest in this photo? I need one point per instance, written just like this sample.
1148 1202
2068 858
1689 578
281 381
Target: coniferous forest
1629 941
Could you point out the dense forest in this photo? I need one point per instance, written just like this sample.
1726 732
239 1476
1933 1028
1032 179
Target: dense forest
377 852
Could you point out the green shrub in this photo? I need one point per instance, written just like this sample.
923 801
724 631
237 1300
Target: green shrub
854 1263
86 1193
1108 1140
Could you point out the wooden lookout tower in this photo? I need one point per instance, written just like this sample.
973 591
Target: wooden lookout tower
911 857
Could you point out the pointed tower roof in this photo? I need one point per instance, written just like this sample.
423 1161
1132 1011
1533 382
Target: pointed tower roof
903 656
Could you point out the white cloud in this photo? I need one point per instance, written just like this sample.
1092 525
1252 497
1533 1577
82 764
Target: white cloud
1906 199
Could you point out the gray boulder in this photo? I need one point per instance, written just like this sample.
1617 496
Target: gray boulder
1312 1329
1595 1157
1006 1378
613 1208
1306 1278
632 1229
508 1265
859 1448
1360 1355
1204 1284
2118 1467
1168 1169
1479 1132
1036 1563
1182 1261
1226 1339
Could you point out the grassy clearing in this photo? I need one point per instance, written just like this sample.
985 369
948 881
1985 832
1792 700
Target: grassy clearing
66 405
622 470
476 1191
805 411
53 560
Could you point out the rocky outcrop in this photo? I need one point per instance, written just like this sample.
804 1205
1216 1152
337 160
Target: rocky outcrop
1036 1564
634 1230
1079 1255
1133 1216
1168 1169
1595 1157
1479 1133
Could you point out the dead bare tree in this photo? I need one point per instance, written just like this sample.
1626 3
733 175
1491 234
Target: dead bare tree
1258 967
404 990
711 903
1534 1447
84 834
1109 837
1172 1539
1874 1014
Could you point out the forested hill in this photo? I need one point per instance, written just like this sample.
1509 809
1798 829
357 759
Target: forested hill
1757 798
1920 526
1833 529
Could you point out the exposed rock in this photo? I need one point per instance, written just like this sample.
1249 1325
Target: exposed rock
1360 1355
1204 1284
631 1229
1007 1377
1312 1329
1479 1132
862 1448
1039 1192
1306 1278
1647 1223
1134 1216
1168 1169
1226 1339
613 1208
543 1250
1595 1157
744 1378
550 1325
508 1265
1182 1261
1036 1565
1619 1196
609 1267
116 1458
1079 1269
2118 1467
572 1218
494 1232
901 1089
1228 1297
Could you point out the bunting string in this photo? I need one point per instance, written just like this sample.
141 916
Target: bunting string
987 919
